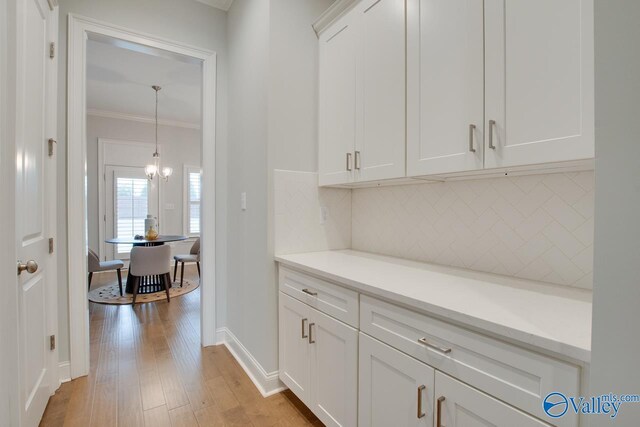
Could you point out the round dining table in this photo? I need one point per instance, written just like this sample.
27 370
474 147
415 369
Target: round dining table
148 284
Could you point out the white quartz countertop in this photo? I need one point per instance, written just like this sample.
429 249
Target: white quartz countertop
552 318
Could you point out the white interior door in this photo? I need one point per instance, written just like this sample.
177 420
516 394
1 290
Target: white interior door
539 81
131 196
395 389
35 193
445 77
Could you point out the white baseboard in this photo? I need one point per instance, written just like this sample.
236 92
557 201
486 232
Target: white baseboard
267 383
64 372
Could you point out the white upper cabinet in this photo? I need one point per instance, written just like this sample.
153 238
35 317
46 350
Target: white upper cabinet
380 145
362 95
337 109
445 86
498 84
539 81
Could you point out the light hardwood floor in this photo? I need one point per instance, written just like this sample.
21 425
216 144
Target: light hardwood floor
147 369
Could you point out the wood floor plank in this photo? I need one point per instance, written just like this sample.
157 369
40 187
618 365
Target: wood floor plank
147 368
157 417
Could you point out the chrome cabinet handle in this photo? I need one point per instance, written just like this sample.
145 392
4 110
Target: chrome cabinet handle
420 391
311 340
435 347
349 162
357 166
439 412
492 124
308 292
303 325
472 129
30 267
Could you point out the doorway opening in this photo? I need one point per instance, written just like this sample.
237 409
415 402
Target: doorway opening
112 140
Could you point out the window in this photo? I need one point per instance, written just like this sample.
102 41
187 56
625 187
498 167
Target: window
193 187
132 206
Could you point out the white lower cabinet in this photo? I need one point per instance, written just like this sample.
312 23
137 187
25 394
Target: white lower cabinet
395 389
319 361
334 370
458 405
392 366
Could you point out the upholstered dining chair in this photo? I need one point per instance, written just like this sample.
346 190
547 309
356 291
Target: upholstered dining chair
193 256
95 265
150 261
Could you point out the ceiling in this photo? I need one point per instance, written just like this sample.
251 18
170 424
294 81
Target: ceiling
220 4
119 81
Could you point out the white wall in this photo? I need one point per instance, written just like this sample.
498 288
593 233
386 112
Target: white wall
616 317
184 21
272 123
179 147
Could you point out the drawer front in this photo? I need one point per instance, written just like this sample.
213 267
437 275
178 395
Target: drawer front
515 375
328 298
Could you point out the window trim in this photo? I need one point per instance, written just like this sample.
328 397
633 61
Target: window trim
187 169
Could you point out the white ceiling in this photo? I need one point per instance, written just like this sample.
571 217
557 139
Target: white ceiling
119 80
220 4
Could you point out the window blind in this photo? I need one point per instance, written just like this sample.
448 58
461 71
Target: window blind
132 204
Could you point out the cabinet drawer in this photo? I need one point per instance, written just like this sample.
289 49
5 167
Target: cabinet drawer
328 298
515 375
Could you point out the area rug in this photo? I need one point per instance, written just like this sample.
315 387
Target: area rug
110 294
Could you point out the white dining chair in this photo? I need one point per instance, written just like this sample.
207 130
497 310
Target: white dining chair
193 256
150 261
95 265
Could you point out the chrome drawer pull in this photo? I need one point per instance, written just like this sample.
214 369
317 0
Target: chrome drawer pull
420 412
435 347
311 339
472 129
308 292
439 412
492 124
303 326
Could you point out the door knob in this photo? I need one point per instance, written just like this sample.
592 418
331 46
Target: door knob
30 267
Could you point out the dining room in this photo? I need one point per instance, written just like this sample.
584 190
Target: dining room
143 175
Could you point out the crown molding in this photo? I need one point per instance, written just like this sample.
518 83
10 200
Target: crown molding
329 16
140 119
218 4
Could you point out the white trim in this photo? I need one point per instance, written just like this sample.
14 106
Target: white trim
64 372
268 383
218 4
186 217
79 30
329 16
141 119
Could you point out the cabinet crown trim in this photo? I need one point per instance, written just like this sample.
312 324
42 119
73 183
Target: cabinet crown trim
334 11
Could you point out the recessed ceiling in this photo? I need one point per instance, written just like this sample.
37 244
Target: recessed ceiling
220 4
119 81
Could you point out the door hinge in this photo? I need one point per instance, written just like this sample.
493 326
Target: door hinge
50 245
52 50
52 342
51 143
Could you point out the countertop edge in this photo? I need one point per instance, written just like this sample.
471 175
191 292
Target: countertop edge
500 331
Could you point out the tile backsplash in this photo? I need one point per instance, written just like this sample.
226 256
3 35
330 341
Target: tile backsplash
297 203
537 227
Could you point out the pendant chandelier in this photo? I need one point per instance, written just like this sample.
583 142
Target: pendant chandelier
154 169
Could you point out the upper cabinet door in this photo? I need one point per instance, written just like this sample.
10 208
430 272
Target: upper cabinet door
445 86
337 109
539 81
380 135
